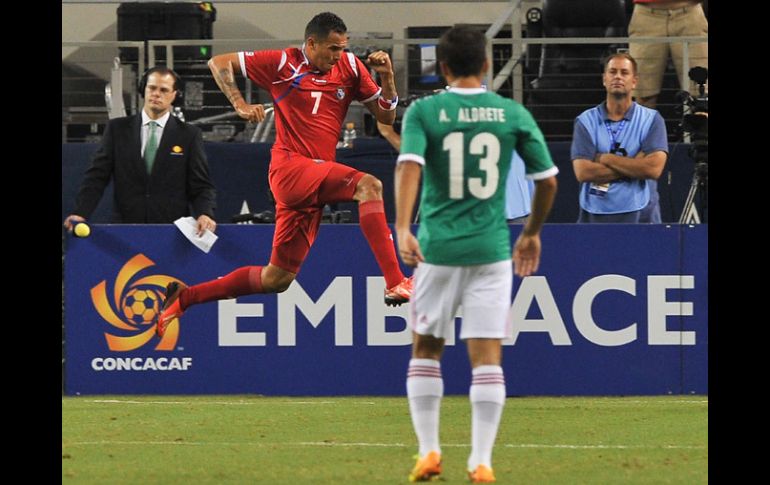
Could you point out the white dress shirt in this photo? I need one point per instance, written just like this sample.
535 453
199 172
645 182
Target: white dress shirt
145 131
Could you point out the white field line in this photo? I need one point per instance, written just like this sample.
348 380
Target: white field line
380 445
607 447
672 401
219 403
369 403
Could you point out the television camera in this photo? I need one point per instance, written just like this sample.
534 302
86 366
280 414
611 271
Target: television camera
695 121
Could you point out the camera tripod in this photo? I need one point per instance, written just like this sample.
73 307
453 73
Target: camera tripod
699 180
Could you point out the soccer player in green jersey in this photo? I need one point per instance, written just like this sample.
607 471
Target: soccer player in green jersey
463 139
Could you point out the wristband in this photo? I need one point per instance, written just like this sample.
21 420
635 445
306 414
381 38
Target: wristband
387 104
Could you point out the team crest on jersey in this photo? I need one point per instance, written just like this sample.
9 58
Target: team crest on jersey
340 93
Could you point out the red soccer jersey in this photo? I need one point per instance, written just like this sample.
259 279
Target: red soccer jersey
309 106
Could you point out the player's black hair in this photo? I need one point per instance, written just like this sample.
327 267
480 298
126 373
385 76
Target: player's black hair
323 24
463 49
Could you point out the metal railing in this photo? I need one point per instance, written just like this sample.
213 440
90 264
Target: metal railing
518 69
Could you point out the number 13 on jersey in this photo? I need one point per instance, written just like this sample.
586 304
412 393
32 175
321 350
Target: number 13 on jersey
485 144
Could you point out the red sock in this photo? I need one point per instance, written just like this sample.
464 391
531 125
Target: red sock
243 281
371 214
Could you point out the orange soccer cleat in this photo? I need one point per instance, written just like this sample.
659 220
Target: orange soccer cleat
401 293
482 474
170 309
427 468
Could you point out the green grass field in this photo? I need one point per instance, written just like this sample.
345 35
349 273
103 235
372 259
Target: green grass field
250 439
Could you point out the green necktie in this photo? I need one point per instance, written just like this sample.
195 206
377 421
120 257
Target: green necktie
152 146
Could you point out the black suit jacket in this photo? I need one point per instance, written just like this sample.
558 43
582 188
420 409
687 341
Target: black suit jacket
179 178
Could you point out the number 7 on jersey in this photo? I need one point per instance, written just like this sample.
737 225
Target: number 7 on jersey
317 95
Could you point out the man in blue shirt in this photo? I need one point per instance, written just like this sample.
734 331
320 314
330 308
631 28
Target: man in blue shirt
619 149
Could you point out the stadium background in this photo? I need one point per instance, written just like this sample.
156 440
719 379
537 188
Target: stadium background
90 54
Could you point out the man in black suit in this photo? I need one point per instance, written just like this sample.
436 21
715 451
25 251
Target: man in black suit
157 163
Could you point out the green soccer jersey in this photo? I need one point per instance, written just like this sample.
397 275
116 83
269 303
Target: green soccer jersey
465 138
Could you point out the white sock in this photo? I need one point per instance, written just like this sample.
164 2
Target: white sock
487 396
424 388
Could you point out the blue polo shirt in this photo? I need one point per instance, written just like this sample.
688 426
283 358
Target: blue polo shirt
641 129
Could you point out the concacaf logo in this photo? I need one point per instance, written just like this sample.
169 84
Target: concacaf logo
135 303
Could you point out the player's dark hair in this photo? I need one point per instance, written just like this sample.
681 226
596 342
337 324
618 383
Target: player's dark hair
620 55
463 49
323 24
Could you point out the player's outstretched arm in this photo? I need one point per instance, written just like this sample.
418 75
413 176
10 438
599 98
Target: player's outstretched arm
223 68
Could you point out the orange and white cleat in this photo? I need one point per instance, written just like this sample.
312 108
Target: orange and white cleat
401 293
482 474
427 468
171 308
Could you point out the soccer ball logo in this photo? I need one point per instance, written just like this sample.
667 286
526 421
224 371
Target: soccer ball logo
140 306
132 305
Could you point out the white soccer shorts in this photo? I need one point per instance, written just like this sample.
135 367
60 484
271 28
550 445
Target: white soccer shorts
483 290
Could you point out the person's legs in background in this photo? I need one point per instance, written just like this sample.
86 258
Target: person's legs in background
651 58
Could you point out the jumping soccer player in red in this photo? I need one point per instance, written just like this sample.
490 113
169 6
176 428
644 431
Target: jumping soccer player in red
312 87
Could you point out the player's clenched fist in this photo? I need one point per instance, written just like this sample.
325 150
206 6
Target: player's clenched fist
379 61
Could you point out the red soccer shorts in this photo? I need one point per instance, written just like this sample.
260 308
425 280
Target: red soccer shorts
301 187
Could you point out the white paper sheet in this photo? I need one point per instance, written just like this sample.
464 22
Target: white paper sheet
189 227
